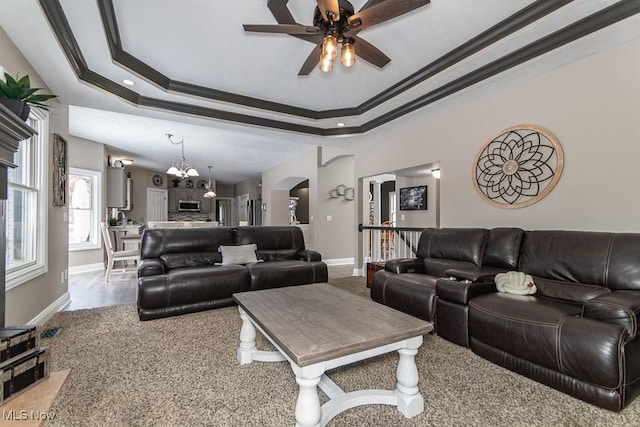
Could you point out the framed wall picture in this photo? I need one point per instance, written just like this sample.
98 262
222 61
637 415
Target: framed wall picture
413 198
59 170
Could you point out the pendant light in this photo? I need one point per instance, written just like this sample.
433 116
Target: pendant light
210 194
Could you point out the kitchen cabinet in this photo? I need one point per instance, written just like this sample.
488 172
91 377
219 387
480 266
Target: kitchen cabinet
172 194
188 194
176 194
205 203
116 187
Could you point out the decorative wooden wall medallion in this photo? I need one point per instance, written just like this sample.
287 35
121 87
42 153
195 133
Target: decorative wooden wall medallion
518 167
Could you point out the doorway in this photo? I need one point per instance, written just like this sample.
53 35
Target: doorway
157 205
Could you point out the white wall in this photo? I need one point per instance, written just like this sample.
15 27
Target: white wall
590 105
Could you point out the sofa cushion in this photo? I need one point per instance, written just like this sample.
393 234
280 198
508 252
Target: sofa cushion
570 256
576 293
189 285
276 274
269 255
459 244
624 262
524 326
190 259
241 254
160 241
271 237
503 247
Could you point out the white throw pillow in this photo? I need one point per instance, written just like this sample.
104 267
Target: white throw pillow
242 254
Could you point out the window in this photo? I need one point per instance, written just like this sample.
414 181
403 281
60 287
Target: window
26 227
84 197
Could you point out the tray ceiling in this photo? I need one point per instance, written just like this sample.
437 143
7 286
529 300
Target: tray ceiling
192 62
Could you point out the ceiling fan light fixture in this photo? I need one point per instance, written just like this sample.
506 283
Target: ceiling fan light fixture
330 47
326 64
348 55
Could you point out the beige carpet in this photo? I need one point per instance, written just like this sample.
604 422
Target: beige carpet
182 371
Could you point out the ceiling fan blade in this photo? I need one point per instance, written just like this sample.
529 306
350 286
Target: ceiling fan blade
370 3
370 53
327 6
280 11
383 11
282 29
311 62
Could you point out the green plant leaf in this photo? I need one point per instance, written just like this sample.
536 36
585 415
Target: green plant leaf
20 89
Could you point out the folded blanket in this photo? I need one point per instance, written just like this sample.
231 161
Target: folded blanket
515 282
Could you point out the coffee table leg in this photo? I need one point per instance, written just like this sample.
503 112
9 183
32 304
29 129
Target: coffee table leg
410 401
308 410
247 339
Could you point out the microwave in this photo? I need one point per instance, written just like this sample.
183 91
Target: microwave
188 205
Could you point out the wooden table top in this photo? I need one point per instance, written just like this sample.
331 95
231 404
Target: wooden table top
319 322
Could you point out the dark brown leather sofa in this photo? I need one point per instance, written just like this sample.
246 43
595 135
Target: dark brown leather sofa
180 269
578 333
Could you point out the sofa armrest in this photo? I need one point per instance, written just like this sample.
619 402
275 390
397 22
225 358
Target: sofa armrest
308 255
461 292
150 267
478 274
404 265
621 308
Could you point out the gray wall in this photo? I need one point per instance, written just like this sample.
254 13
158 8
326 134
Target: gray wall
417 218
595 119
87 154
47 292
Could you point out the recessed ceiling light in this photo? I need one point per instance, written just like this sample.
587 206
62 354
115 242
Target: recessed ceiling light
340 124
128 82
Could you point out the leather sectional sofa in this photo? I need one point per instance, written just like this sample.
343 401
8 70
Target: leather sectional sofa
180 269
578 333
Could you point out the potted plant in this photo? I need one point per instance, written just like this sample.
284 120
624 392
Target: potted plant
18 95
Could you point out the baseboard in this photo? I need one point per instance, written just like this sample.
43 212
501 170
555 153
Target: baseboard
359 272
338 261
86 268
47 313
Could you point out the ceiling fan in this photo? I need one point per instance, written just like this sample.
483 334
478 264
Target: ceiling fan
335 22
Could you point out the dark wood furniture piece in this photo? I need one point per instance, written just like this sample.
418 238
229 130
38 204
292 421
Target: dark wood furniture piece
372 267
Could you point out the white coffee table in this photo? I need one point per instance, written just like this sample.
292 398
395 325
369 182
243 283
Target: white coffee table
319 327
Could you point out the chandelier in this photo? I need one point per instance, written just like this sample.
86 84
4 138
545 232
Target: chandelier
182 169
210 194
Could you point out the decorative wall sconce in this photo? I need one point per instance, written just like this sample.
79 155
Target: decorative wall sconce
343 191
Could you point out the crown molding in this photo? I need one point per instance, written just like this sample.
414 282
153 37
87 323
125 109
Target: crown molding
601 19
